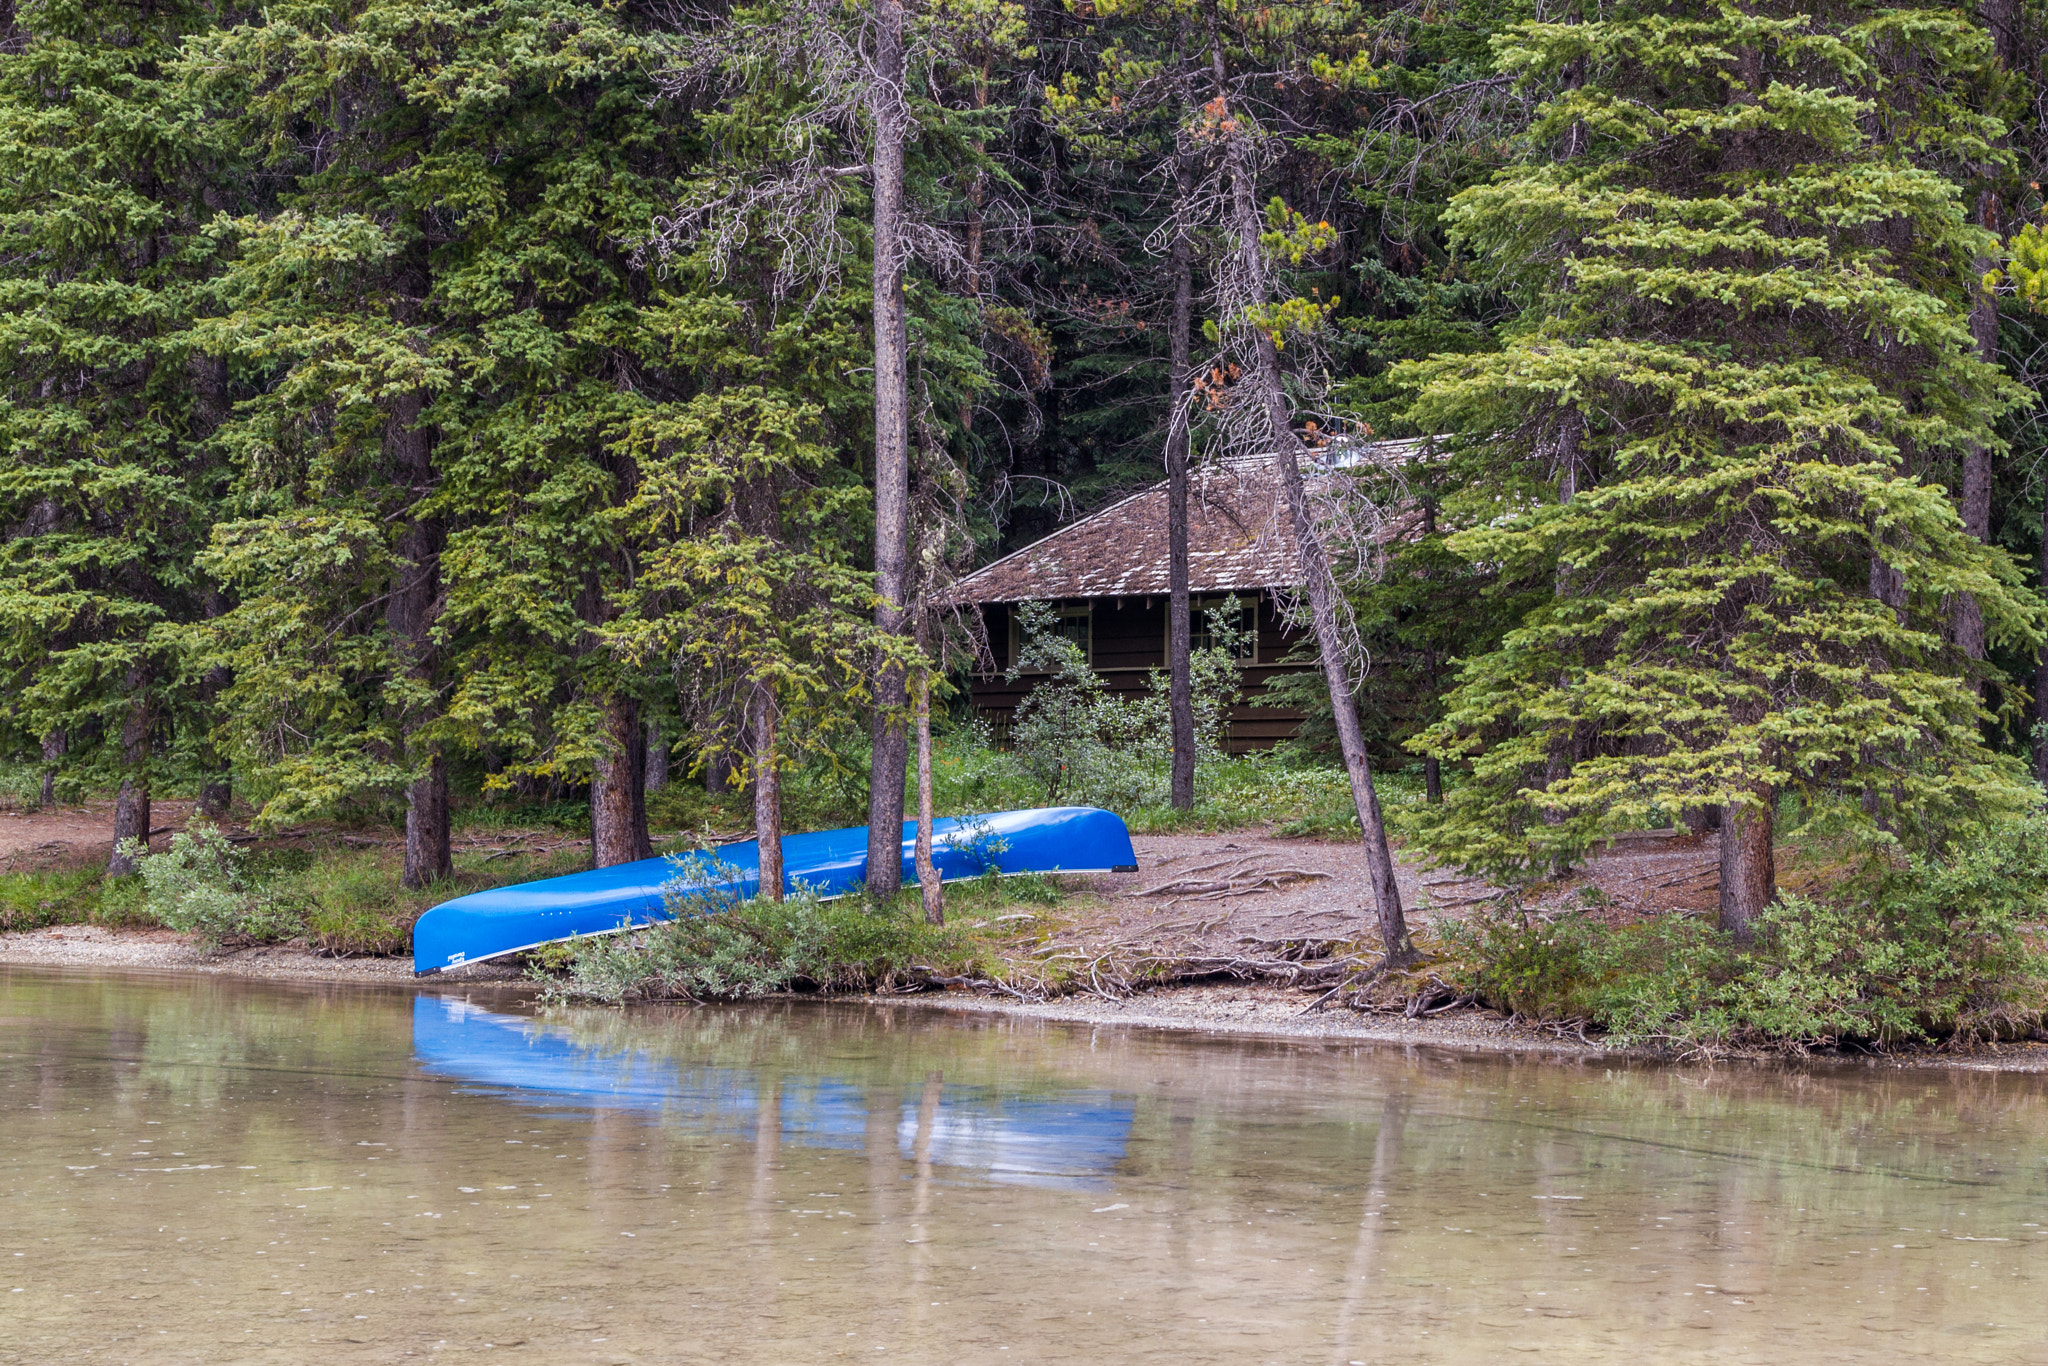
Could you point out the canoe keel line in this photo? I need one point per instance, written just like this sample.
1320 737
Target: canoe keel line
831 863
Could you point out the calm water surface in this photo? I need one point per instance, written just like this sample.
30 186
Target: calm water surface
215 1171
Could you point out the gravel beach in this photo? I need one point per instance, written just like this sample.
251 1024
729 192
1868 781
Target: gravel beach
1219 1008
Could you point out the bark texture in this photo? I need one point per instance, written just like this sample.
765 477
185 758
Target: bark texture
409 615
618 810
929 889
767 790
426 825
1966 614
54 745
1749 874
1180 703
131 806
216 791
889 745
1379 857
657 758
718 770
216 795
1286 450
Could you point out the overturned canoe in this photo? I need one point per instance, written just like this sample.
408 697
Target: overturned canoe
470 929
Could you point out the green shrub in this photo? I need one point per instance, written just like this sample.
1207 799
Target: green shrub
198 886
716 947
1947 948
1082 743
21 786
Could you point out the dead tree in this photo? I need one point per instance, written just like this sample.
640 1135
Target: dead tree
1260 414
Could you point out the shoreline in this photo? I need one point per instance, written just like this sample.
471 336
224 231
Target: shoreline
1229 1009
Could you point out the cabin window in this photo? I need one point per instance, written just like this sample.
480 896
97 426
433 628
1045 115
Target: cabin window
1245 619
1076 623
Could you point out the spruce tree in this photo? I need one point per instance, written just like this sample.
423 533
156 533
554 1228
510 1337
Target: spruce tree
109 171
430 546
1744 343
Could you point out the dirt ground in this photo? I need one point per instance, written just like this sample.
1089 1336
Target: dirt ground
1245 892
75 836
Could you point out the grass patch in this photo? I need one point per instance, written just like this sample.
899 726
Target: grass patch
29 901
352 903
1297 796
338 900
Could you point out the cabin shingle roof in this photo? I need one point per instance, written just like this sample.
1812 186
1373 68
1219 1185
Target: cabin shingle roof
1239 538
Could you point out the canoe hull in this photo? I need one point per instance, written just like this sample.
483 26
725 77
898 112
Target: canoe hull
491 924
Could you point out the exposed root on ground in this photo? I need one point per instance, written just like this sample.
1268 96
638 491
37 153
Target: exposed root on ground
1230 878
1341 971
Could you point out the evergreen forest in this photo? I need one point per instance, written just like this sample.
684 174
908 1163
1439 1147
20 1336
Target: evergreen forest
410 406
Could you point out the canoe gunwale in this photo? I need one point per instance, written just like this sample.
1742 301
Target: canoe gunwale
664 919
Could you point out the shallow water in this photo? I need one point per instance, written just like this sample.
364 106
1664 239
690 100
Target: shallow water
216 1171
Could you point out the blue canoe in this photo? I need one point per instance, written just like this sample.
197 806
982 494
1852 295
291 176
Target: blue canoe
470 929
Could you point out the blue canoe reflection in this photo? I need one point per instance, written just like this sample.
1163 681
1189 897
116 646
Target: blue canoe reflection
1070 1139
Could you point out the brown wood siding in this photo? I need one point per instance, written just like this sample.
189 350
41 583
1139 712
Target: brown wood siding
1128 641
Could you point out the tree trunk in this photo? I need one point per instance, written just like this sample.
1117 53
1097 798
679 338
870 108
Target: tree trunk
2004 19
409 615
54 745
1887 585
1967 615
216 795
889 748
1322 601
1311 564
216 790
929 888
618 810
1179 638
131 807
767 792
657 758
427 854
2041 672
1749 875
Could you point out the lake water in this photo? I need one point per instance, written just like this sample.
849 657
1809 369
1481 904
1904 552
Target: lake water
220 1171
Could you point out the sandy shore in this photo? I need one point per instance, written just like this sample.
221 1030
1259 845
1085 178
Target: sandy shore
1223 1008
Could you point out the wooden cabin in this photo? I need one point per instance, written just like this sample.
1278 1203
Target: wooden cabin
1106 576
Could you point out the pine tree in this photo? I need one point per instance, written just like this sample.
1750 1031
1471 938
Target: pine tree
1744 339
